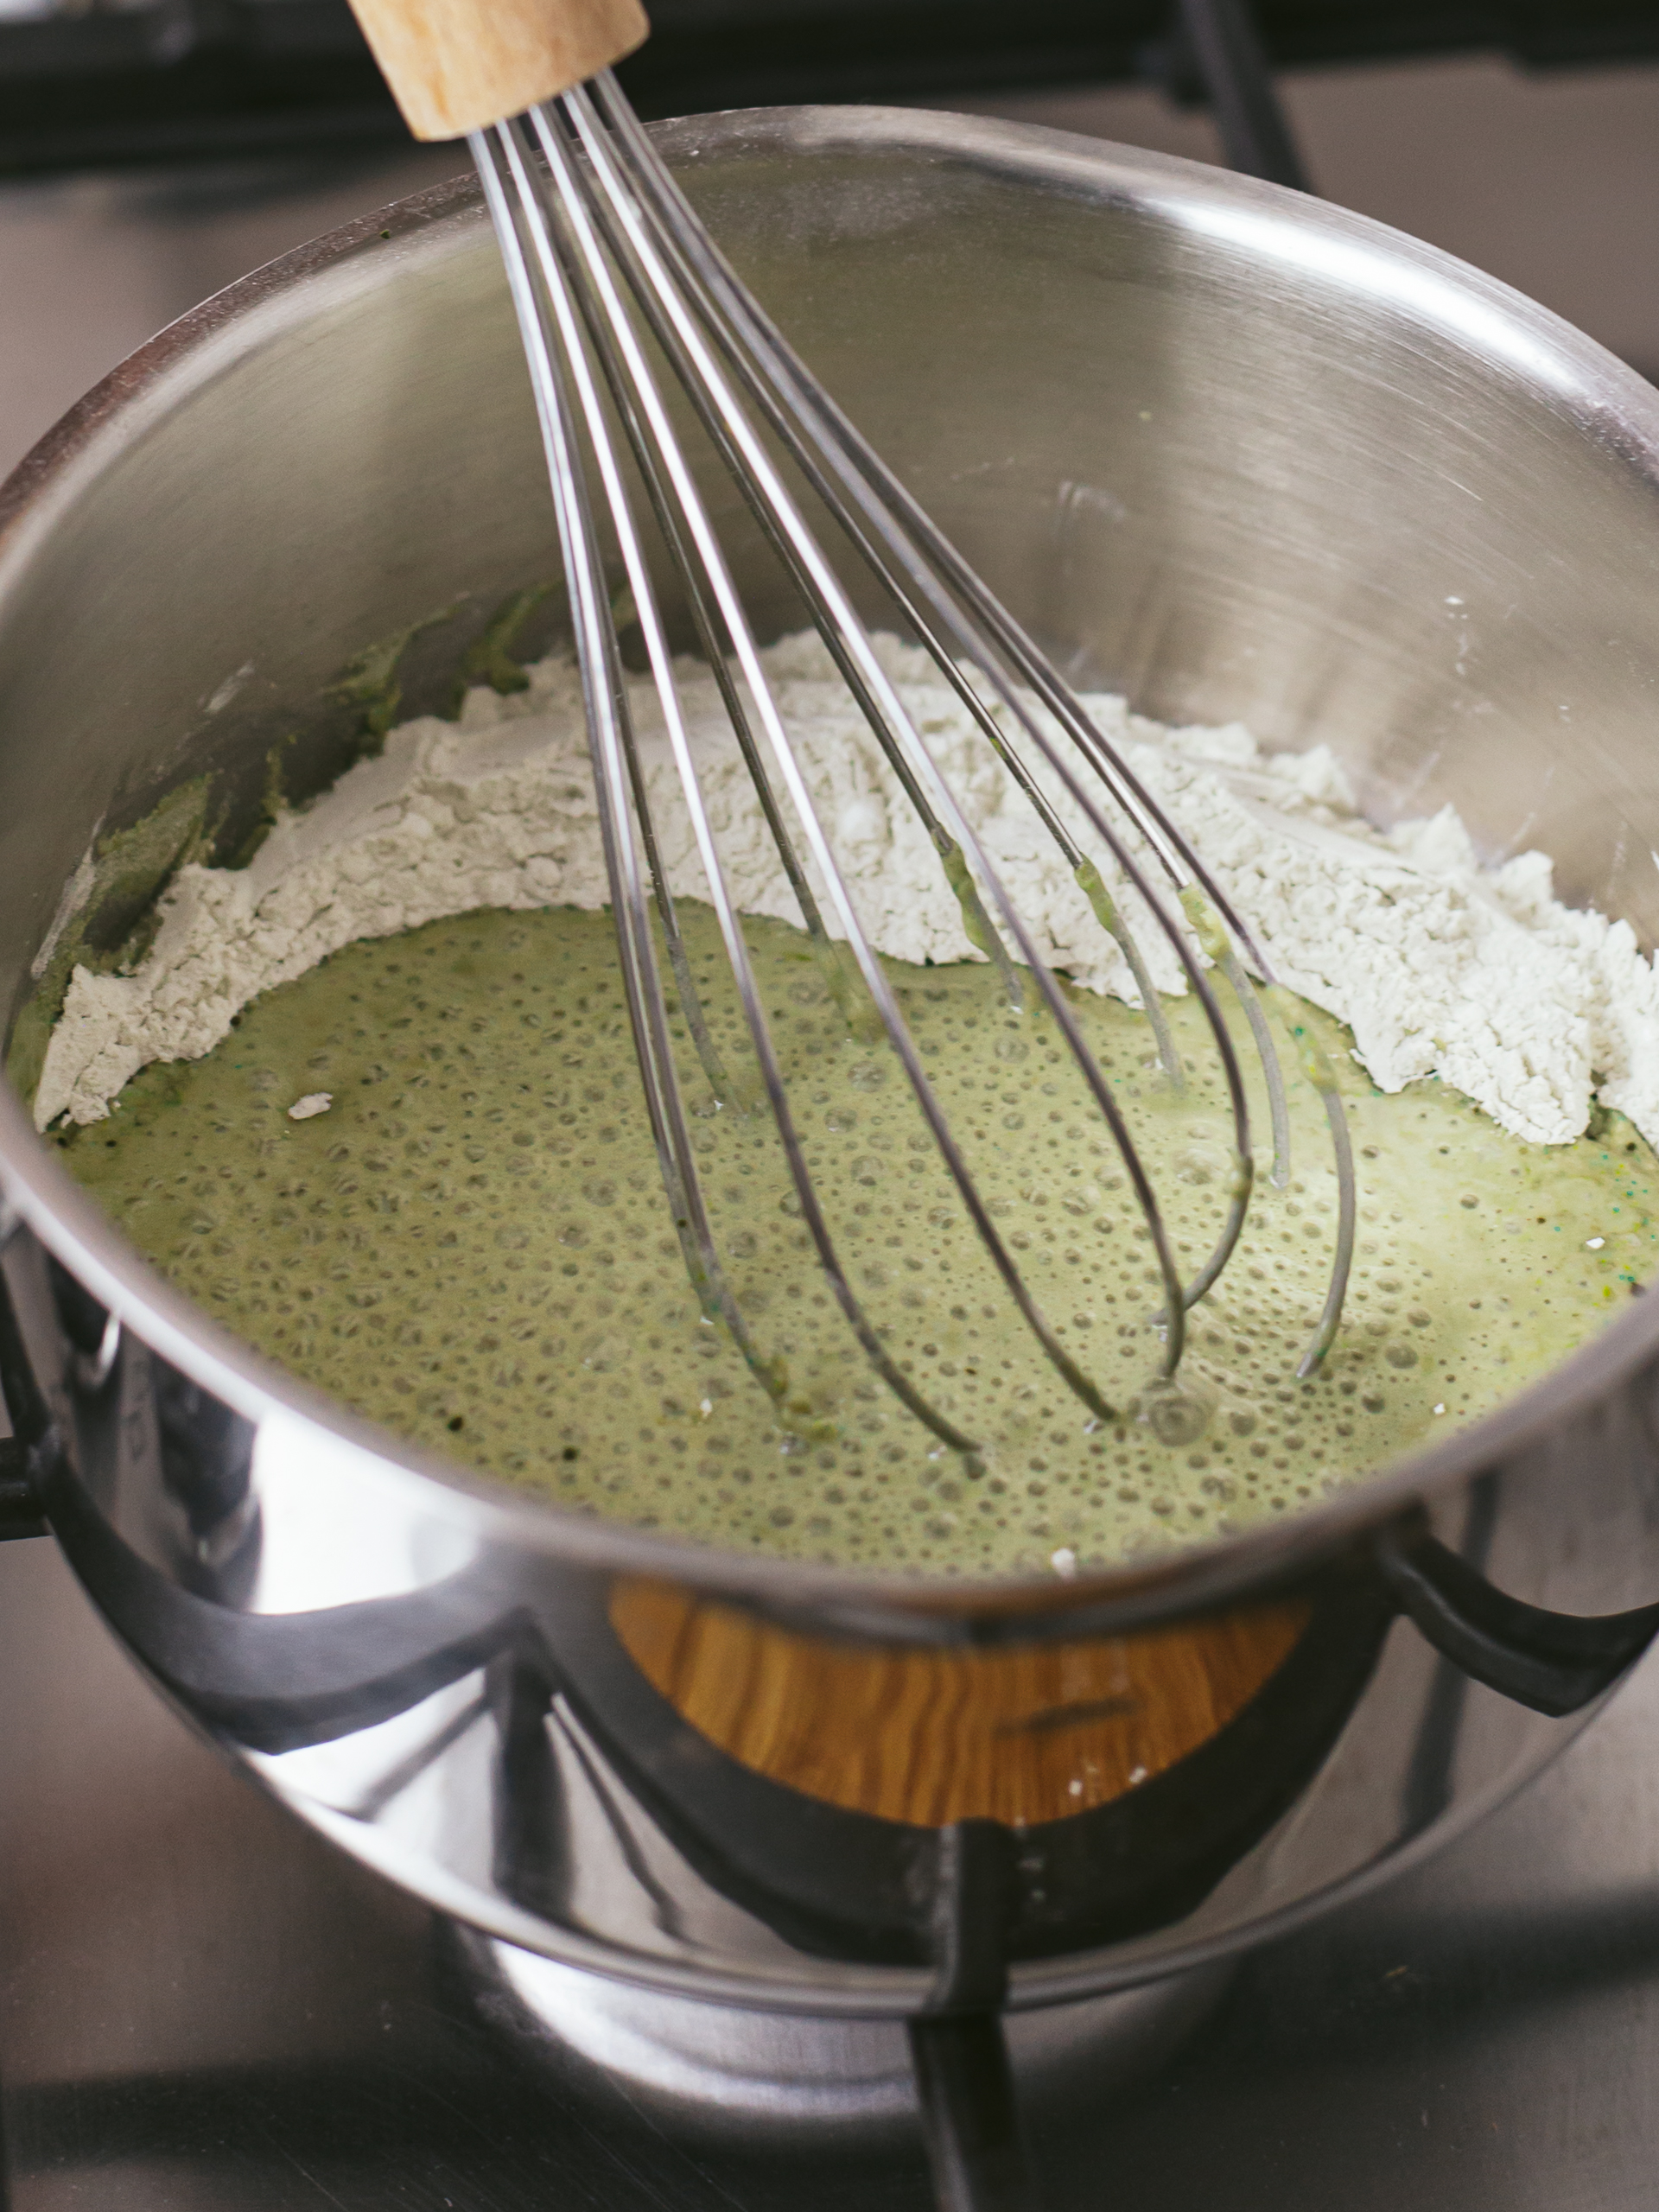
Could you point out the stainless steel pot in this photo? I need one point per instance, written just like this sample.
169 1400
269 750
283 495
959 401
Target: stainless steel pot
1234 450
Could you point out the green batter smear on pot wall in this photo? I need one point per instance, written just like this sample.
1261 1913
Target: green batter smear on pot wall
473 1246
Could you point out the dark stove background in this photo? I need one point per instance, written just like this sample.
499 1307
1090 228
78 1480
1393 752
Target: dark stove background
1547 177
123 80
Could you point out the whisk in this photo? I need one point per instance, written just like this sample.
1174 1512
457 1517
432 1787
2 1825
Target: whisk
629 313
607 261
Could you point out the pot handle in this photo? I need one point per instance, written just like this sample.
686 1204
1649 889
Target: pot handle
1554 1663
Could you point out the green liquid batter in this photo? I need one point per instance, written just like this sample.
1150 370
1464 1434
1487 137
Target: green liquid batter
474 1246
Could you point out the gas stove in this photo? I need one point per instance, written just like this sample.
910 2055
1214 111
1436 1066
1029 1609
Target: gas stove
206 2006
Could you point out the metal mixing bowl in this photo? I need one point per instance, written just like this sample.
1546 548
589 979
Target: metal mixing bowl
1233 450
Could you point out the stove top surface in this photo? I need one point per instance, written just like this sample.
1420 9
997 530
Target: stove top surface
204 2005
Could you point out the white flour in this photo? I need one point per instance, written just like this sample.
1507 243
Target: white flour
1439 966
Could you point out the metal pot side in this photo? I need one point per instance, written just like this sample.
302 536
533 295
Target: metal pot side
1229 449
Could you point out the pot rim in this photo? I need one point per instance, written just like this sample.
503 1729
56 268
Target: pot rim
1514 335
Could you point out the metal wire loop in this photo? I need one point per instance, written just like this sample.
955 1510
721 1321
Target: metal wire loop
616 285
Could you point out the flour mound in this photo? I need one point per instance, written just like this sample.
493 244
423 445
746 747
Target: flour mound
1440 966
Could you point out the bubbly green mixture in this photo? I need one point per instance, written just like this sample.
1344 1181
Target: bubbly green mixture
474 1246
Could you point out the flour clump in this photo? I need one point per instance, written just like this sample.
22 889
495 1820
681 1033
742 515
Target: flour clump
1438 965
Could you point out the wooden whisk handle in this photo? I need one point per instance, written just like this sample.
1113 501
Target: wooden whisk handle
455 66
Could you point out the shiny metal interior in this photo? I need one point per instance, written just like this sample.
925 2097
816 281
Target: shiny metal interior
1239 454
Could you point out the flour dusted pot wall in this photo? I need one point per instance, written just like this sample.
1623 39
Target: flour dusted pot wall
1239 453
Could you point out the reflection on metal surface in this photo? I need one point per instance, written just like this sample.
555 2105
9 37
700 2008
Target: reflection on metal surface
1416 283
1022 1733
724 2077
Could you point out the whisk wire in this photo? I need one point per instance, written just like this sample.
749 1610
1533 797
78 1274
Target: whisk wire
786 393
925 554
724 1088
784 425
886 716
833 601
604 696
613 219
713 420
1174 1301
1083 871
642 975
640 382
714 656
